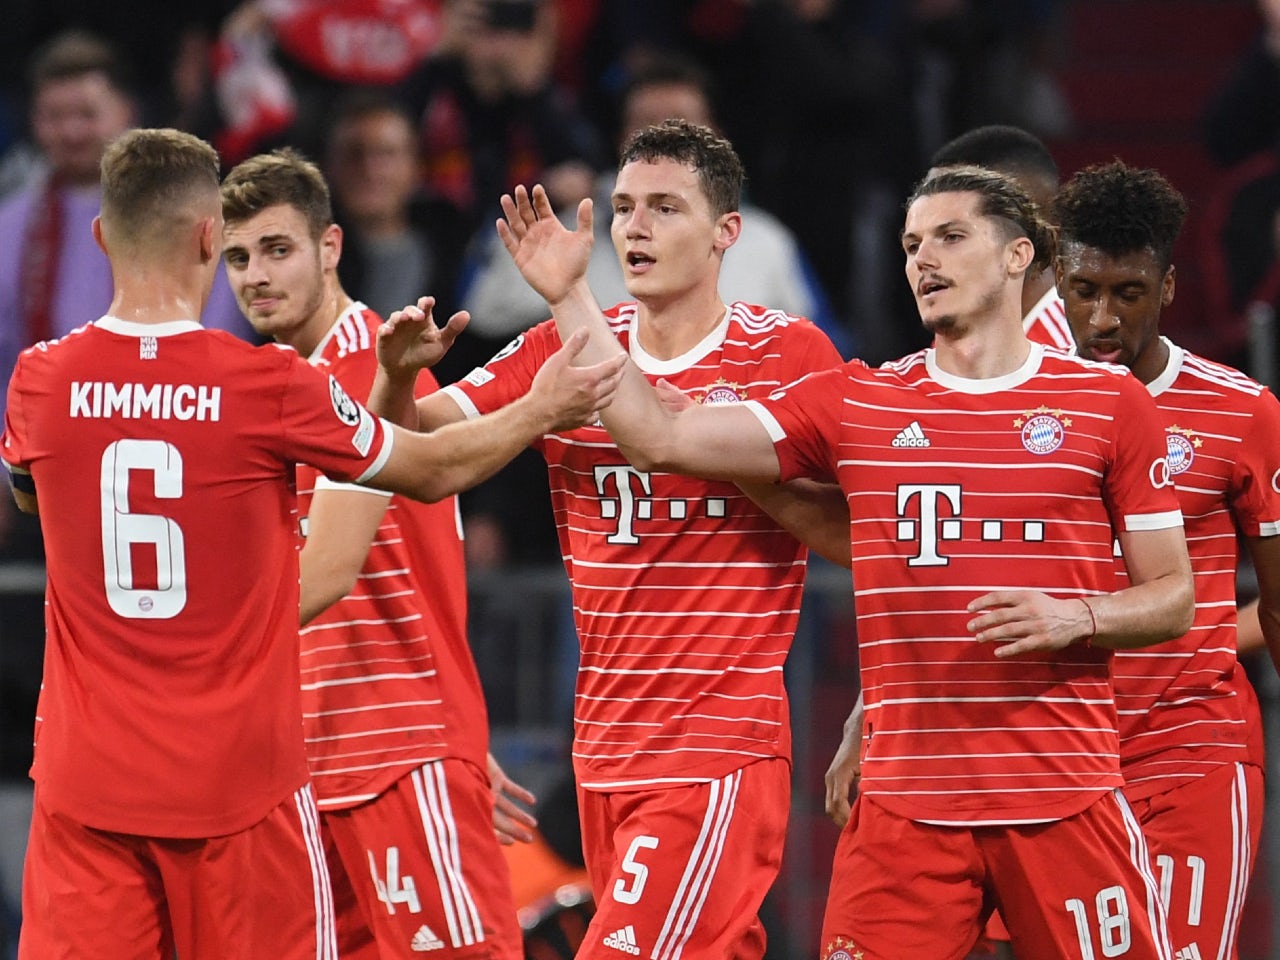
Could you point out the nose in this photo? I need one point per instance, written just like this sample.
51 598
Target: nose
255 273
925 257
638 223
1104 318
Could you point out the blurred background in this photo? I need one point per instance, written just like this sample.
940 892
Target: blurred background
422 112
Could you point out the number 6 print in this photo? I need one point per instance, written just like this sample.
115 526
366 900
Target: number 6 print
639 872
121 529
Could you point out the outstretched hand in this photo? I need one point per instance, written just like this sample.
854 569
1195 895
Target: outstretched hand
409 339
570 396
550 257
1025 621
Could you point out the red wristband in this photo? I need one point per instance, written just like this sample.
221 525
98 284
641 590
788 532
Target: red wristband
1093 623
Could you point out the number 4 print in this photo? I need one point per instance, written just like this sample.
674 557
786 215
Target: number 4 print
639 872
395 889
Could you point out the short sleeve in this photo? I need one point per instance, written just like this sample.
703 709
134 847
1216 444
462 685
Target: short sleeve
509 375
1255 478
804 422
1138 488
325 427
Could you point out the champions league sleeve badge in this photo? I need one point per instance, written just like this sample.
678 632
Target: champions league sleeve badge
353 415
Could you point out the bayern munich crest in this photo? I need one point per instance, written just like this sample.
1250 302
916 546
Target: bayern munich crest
722 391
842 948
1043 429
1182 446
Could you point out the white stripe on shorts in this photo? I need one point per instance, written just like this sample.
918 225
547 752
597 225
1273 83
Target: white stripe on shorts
1240 850
700 871
309 816
441 832
1141 858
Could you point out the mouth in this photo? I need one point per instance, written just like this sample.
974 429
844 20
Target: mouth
1107 351
928 286
639 261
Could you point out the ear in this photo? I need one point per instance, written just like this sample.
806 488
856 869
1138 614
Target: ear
728 229
1059 274
209 239
1021 253
330 247
97 234
1166 287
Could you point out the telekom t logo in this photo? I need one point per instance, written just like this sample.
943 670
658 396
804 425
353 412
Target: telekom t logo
620 501
626 495
925 528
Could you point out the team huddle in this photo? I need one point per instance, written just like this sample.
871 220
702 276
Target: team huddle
261 732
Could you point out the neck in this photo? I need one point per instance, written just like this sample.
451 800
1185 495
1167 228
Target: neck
155 294
1034 288
1151 362
994 346
307 336
667 330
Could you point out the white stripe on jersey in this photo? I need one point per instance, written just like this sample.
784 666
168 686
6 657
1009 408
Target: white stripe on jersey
700 871
309 817
441 832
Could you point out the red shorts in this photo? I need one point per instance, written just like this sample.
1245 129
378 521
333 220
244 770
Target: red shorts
1078 887
1203 839
680 872
262 892
418 870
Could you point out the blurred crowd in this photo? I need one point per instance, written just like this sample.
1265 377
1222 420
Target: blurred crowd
423 112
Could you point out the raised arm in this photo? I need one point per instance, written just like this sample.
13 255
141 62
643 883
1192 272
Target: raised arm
408 341
430 466
716 442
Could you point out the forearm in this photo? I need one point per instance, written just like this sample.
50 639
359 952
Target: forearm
456 457
816 514
322 585
1160 609
393 400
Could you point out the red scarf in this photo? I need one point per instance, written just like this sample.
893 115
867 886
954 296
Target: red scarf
41 249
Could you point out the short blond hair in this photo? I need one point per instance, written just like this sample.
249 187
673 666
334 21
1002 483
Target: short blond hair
153 180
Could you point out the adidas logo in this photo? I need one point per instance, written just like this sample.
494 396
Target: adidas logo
911 436
624 940
425 941
1191 952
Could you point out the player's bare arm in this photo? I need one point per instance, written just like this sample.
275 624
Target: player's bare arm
1158 606
341 525
431 466
816 514
1265 552
846 766
716 442
409 341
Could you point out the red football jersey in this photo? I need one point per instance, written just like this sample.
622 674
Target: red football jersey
1186 706
956 488
163 458
686 595
388 680
1046 323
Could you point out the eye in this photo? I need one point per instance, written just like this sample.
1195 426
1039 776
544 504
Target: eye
910 247
279 250
621 209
